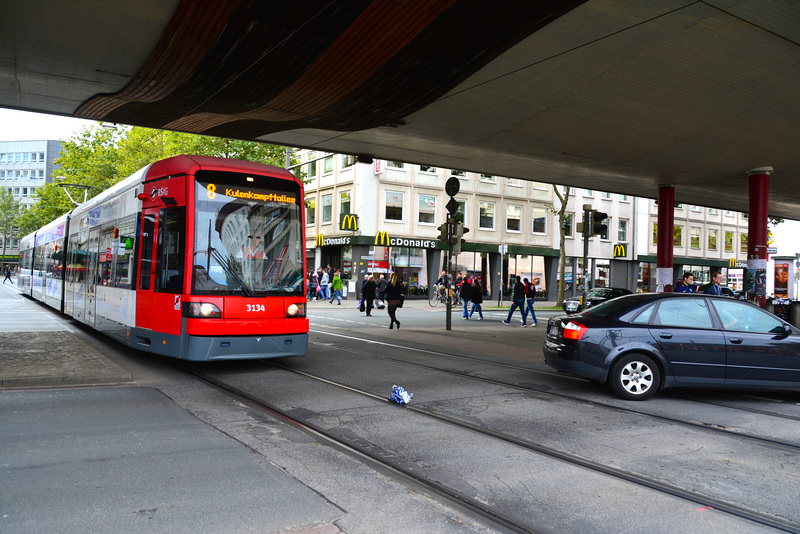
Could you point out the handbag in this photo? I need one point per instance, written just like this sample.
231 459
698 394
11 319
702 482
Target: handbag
319 289
402 300
361 305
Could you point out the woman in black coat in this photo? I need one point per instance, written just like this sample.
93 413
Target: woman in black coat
477 299
394 295
368 294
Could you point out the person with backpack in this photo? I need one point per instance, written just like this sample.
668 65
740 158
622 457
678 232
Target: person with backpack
518 302
477 299
530 298
466 295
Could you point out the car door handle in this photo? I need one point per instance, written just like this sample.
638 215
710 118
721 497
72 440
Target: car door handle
735 340
665 335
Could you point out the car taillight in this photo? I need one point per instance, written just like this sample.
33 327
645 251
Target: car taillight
574 330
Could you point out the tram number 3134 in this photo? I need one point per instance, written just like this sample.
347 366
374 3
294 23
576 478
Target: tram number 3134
256 308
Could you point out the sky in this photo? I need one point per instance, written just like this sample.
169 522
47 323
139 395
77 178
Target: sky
24 126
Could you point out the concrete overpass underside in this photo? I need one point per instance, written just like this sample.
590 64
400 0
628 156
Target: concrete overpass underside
600 94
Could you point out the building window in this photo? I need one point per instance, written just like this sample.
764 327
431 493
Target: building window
539 220
514 182
606 196
677 236
588 193
488 178
461 175
311 210
696 208
743 243
728 241
655 233
713 211
712 240
327 209
312 165
395 164
344 203
348 161
486 215
622 230
513 218
394 206
607 232
427 209
623 198
694 239
427 168
569 221
327 167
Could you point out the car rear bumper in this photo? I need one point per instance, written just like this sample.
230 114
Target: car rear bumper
562 358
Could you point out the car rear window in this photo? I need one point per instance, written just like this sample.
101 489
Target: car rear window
610 308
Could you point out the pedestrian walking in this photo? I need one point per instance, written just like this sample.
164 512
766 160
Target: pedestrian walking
313 287
336 288
368 294
8 275
477 299
394 299
530 298
518 297
466 295
380 287
324 282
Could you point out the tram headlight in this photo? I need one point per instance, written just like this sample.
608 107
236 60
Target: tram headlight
296 310
201 310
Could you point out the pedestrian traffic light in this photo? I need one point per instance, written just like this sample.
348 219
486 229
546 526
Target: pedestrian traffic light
457 237
599 226
443 232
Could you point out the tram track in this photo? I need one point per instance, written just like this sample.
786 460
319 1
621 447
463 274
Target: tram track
714 429
384 463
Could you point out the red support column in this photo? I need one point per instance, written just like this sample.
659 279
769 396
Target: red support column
666 223
757 233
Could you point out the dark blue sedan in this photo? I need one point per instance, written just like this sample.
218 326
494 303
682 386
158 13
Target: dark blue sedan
641 343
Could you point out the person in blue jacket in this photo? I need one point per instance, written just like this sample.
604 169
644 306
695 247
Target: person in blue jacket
685 284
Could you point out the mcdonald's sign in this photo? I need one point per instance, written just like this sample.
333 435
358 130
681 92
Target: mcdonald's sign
732 262
320 239
382 238
621 251
348 222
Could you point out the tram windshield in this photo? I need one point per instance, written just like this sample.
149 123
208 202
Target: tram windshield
248 236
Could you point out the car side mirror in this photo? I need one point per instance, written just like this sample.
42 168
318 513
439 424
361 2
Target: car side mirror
784 331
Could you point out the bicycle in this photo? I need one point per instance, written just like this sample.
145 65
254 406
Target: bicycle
440 295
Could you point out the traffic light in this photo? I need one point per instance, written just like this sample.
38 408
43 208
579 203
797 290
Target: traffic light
598 227
444 234
457 238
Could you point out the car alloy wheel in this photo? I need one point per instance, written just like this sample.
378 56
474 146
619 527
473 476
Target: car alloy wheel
635 377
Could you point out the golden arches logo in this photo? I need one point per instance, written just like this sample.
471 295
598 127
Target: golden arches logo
320 239
349 223
732 262
382 238
620 251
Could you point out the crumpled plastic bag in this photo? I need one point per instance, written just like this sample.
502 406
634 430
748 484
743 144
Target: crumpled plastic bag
400 395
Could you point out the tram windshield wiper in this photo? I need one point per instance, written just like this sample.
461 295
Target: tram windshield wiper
232 274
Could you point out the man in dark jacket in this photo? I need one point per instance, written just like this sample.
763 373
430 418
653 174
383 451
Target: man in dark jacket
466 295
519 302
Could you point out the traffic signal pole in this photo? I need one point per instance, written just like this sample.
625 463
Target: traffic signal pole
449 255
587 233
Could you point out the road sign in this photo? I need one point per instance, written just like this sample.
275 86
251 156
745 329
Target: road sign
452 186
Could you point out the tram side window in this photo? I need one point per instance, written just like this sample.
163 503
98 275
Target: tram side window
148 227
123 255
104 264
171 250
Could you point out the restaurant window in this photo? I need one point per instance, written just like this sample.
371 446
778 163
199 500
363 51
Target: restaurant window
427 209
486 215
394 206
513 218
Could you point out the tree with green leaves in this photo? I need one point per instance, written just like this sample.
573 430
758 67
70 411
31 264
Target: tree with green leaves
9 217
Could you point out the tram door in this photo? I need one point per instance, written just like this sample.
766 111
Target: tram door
92 277
161 268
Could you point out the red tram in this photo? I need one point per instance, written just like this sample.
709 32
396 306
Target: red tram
191 257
